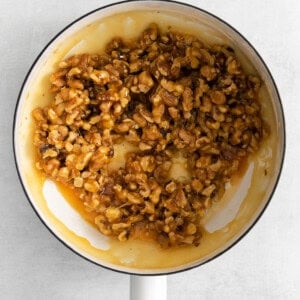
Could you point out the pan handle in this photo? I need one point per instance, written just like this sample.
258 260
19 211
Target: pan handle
148 287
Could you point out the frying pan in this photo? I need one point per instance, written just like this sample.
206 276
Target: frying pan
228 221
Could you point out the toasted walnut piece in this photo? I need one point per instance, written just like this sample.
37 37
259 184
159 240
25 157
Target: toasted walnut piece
175 68
123 236
215 167
186 136
144 147
63 173
257 122
50 153
135 66
51 168
206 57
158 112
203 161
206 104
254 82
147 163
139 119
57 83
85 174
132 186
149 208
233 67
208 190
231 90
194 62
86 126
91 186
74 71
83 160
113 214
100 77
187 103
174 112
71 117
217 97
197 185
238 110
105 106
164 126
146 114
120 193
166 228
171 86
76 84
239 124
163 65
102 225
72 136
171 187
144 190
68 146
208 72
168 98
63 64
217 114
161 173
207 203
134 198
38 115
123 127
155 195
191 229
52 114
250 109
106 121
145 82
78 182
94 120
212 124
180 198
151 133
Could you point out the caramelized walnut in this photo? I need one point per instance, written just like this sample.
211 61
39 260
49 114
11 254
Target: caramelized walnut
164 93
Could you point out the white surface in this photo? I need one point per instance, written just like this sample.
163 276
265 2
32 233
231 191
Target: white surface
264 265
72 219
148 287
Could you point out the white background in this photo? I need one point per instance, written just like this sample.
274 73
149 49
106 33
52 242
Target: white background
264 265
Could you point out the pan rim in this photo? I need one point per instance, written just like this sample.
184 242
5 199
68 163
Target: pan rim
177 269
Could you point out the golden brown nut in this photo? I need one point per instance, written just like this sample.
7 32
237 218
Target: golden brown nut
181 104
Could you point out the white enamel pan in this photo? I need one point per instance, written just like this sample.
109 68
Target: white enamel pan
229 220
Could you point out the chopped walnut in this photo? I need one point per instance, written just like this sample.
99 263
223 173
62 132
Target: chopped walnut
165 93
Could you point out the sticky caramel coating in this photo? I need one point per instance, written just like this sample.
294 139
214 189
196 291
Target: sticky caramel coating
165 93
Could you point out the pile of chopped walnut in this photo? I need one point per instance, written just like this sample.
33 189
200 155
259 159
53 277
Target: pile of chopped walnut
164 93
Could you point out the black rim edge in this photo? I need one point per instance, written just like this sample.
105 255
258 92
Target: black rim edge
246 231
